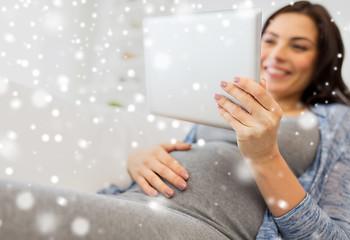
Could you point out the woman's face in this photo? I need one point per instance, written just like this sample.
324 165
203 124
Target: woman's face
288 54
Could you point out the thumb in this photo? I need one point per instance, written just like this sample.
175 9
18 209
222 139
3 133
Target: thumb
182 146
263 82
168 146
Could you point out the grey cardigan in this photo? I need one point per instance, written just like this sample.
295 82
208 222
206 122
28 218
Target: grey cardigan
325 211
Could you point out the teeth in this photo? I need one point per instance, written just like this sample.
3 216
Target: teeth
276 71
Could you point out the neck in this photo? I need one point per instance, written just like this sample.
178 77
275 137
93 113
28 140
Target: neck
291 107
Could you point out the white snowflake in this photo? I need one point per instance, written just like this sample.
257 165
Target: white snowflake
40 98
80 226
201 28
131 73
9 149
84 144
9 38
36 72
196 86
282 204
243 173
3 86
62 201
151 118
16 104
9 171
226 23
307 121
270 201
201 142
134 144
58 138
46 222
161 125
55 113
175 124
25 200
45 138
139 98
131 108
57 3
54 179
12 135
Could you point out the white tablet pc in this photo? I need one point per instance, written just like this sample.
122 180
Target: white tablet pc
187 56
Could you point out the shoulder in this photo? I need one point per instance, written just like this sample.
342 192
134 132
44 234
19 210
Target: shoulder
334 114
338 108
335 108
334 123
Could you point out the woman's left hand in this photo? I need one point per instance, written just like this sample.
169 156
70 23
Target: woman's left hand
256 129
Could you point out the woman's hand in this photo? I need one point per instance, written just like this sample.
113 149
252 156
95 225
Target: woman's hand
146 164
256 129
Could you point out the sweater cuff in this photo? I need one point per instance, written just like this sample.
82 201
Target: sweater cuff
299 222
303 206
297 219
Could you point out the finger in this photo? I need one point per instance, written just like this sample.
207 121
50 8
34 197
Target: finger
146 188
257 91
169 175
234 123
168 146
263 83
171 162
234 110
157 183
247 100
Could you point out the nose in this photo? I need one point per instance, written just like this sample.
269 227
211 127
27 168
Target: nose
279 53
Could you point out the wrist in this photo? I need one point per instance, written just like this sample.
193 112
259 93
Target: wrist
268 166
278 185
267 159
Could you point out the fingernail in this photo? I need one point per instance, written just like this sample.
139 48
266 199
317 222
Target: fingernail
181 185
169 192
184 175
217 96
154 193
223 84
236 79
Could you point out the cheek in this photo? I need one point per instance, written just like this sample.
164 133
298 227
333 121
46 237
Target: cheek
304 67
305 64
264 54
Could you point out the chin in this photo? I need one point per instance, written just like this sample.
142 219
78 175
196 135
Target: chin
276 93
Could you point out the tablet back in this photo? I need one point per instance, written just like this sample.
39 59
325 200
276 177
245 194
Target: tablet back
187 56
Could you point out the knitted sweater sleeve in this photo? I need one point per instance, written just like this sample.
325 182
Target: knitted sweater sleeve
328 218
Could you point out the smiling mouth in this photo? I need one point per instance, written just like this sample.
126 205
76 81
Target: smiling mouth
274 72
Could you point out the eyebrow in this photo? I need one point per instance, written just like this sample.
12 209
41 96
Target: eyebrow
294 38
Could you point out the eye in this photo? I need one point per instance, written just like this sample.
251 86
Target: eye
269 41
299 47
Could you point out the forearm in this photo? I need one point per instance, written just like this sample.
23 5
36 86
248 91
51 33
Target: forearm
278 185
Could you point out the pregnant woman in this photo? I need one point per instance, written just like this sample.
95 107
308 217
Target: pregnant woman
282 171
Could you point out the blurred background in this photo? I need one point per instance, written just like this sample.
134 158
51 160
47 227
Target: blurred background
72 87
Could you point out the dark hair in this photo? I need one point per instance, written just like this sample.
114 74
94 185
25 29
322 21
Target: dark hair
326 85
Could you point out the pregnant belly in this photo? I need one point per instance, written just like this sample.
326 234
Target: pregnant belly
221 191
